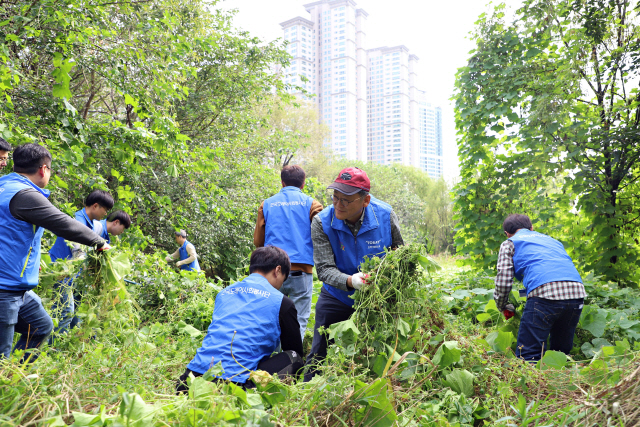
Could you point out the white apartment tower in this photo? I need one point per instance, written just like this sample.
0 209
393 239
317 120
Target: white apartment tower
393 131
430 118
368 98
328 50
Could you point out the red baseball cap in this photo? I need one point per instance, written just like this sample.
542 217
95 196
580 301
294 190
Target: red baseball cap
350 181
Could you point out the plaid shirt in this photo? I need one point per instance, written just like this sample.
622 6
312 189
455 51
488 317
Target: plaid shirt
323 255
551 290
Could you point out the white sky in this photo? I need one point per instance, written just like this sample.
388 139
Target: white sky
435 31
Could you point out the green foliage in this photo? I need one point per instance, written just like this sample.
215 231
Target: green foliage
460 381
547 114
161 103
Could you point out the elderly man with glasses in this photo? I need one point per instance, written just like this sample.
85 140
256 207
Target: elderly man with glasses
355 227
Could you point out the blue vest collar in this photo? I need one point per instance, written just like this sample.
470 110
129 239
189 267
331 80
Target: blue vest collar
369 222
290 188
25 180
83 211
259 279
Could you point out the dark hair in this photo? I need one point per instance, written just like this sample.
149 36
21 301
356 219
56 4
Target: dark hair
101 197
181 233
4 145
363 193
267 258
293 175
28 158
121 216
514 222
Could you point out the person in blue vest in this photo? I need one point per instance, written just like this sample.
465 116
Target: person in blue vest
249 319
555 293
5 148
186 253
284 220
113 225
355 227
25 212
96 206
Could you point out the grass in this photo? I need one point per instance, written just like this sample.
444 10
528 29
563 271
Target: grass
122 372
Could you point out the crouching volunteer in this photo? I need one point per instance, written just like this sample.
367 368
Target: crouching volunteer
555 293
284 220
24 213
186 253
355 227
249 319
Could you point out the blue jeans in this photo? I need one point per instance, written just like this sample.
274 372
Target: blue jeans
544 318
22 312
300 289
64 307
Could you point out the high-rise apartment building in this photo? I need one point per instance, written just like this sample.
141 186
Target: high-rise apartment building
327 50
393 131
368 98
430 122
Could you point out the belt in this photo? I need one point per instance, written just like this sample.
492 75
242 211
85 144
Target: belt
296 273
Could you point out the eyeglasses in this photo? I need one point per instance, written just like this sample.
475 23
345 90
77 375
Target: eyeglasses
343 202
4 159
48 167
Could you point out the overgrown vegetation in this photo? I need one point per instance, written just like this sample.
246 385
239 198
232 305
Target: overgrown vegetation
432 352
547 110
178 114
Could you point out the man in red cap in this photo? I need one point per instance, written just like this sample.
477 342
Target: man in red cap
355 227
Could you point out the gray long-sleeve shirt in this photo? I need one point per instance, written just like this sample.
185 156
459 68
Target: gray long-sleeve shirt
31 206
323 255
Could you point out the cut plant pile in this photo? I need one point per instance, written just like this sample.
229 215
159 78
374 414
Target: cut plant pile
423 348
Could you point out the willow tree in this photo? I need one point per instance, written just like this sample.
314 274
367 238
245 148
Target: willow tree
548 113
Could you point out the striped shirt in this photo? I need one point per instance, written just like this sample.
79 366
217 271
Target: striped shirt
506 273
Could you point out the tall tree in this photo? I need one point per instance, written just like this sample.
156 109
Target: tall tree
548 109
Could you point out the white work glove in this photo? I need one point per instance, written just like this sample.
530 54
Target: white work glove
168 258
104 247
179 263
359 280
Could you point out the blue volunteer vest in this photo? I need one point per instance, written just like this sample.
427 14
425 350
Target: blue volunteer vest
251 310
193 265
19 240
100 227
348 251
288 225
60 249
540 259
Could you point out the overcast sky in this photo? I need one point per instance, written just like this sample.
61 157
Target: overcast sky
436 31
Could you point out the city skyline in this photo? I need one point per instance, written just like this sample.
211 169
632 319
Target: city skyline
438 33
369 98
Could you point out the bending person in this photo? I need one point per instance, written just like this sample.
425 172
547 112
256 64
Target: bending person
555 293
250 317
186 253
24 213
114 225
357 226
68 299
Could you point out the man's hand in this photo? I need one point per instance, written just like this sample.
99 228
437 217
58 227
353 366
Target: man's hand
104 247
509 311
168 258
359 280
178 264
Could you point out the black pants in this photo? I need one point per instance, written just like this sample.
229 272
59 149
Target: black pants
284 364
329 310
